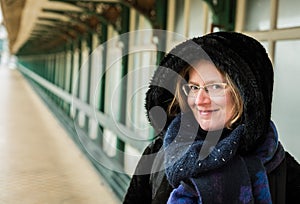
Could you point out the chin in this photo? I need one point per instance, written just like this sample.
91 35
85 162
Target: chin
208 127
205 126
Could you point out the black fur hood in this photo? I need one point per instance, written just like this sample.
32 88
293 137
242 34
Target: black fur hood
242 57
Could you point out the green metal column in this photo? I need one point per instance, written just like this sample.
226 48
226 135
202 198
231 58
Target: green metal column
161 24
223 13
72 48
124 29
65 54
77 94
90 50
102 39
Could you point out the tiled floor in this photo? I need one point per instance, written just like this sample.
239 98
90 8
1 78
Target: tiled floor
39 163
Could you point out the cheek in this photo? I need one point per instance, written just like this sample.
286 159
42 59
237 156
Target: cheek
229 106
190 102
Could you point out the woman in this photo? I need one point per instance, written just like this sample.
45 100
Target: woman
210 102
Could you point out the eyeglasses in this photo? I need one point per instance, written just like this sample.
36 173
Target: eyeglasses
214 90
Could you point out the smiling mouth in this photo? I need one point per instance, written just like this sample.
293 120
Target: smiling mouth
207 112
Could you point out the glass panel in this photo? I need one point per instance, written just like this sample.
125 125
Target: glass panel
141 22
96 77
179 17
257 15
138 81
286 98
142 62
131 158
68 72
74 89
109 143
265 44
288 13
112 92
112 84
144 23
196 18
83 81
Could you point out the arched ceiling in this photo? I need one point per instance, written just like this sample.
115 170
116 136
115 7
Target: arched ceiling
35 26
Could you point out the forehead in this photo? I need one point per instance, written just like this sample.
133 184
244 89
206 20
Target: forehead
205 71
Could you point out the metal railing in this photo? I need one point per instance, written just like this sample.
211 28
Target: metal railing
109 167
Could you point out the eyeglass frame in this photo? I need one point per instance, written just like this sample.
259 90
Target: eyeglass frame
222 84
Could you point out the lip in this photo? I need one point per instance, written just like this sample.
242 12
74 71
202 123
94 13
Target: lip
207 112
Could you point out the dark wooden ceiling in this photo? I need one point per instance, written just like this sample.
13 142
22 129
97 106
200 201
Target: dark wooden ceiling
35 26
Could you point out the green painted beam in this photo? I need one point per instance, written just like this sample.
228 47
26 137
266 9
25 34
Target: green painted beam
223 13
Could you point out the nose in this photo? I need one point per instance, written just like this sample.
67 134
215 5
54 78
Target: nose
202 97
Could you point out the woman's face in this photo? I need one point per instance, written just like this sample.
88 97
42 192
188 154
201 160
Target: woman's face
211 112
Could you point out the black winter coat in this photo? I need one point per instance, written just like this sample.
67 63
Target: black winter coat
247 64
284 182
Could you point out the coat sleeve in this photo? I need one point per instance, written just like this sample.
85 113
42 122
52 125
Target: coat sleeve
140 189
293 179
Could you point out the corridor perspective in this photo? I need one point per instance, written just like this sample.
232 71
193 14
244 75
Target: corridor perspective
73 80
39 161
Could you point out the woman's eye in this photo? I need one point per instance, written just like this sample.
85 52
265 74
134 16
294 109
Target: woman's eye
194 88
216 86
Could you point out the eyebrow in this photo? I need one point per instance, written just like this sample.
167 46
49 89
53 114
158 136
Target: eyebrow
207 82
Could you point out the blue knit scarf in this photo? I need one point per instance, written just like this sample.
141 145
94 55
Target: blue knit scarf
204 172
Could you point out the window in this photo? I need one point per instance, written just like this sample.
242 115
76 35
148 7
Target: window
257 15
286 97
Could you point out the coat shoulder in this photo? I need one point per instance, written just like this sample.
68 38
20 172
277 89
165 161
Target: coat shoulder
293 179
140 189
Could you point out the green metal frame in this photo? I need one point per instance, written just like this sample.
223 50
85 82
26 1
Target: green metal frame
223 13
54 70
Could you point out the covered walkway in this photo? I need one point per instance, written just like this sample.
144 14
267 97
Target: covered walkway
75 130
39 162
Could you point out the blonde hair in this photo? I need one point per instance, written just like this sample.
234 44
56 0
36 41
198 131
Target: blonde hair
179 101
